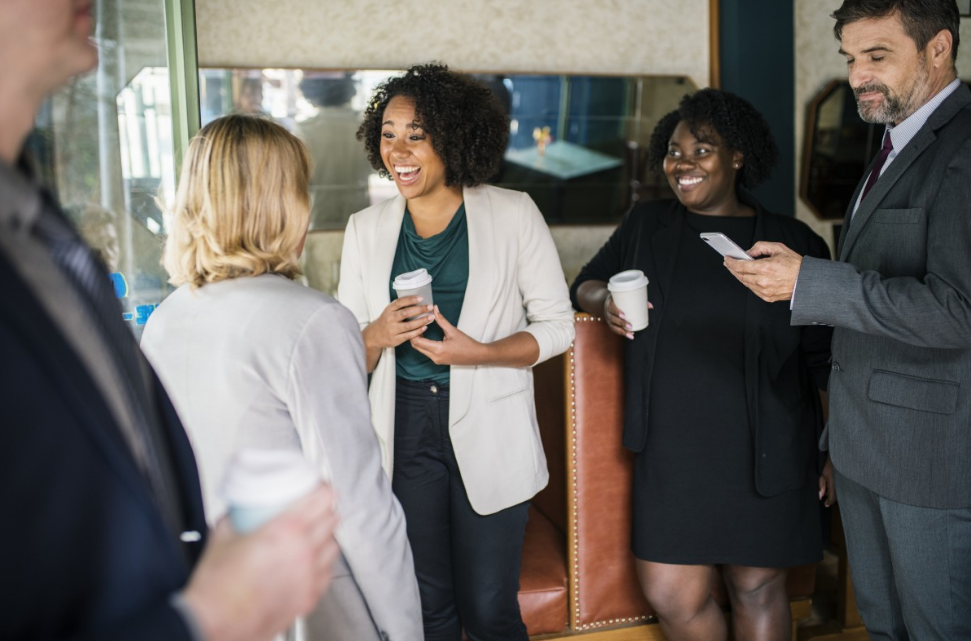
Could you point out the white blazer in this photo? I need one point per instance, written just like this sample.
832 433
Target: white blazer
515 284
266 362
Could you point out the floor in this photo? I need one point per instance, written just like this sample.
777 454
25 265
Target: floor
823 624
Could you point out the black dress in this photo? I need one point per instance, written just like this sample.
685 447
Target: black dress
695 500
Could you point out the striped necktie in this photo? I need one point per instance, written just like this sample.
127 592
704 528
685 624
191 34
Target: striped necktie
147 441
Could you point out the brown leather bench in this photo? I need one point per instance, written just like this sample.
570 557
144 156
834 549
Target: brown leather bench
578 571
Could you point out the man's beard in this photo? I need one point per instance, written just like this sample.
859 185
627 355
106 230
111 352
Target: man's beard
893 108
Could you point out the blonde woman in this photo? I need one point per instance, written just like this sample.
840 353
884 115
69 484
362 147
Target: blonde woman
253 359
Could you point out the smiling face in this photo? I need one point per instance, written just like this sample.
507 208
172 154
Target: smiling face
890 77
702 172
408 155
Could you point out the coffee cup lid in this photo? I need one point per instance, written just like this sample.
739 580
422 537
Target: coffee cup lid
412 280
268 477
627 281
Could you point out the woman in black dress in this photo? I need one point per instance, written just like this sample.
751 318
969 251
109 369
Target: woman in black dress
722 407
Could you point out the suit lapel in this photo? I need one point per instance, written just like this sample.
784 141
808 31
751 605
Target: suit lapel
381 258
482 256
884 184
664 246
480 292
848 217
755 317
72 383
852 229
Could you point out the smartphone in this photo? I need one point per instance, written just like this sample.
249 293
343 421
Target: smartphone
724 245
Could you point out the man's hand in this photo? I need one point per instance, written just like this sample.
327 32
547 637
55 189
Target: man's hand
249 588
456 348
773 277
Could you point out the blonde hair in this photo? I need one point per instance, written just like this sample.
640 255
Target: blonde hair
243 203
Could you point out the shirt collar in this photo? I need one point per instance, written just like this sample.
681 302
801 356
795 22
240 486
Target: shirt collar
22 202
904 132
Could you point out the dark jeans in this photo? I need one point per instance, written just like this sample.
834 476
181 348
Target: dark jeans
911 566
467 564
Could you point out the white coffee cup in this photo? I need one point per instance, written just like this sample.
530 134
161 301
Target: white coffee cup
629 291
260 484
416 283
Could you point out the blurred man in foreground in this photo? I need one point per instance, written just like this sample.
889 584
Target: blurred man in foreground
104 535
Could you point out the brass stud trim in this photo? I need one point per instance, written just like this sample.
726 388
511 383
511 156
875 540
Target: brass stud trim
574 534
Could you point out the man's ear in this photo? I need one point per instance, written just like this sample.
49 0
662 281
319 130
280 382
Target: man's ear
939 48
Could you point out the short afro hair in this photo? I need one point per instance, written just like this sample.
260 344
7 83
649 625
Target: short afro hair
740 125
467 125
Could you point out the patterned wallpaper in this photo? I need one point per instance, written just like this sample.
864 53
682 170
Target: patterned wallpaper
818 62
576 36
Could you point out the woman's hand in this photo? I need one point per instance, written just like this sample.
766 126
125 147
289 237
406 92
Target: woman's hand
616 320
456 348
392 328
827 486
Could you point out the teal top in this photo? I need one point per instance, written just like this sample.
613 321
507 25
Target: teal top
446 257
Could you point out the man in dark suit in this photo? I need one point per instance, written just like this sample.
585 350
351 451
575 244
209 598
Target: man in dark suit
899 297
103 534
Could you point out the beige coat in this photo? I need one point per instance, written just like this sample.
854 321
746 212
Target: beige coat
265 362
515 284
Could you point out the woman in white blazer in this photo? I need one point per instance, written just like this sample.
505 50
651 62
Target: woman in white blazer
253 359
452 392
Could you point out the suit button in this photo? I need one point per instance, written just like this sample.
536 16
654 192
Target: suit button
836 367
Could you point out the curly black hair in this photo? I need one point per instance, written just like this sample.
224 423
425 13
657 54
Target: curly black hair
734 119
467 125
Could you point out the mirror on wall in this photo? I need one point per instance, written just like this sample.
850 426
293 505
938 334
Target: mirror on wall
577 144
839 146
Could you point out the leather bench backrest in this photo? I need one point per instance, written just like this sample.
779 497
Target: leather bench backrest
549 391
604 587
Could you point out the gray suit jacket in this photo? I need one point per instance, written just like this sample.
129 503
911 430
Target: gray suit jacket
900 299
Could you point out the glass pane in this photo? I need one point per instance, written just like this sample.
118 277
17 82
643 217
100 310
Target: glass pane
577 144
104 147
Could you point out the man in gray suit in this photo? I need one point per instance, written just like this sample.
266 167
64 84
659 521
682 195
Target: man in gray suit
899 296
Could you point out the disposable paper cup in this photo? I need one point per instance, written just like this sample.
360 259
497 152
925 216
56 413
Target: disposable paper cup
260 484
629 291
416 283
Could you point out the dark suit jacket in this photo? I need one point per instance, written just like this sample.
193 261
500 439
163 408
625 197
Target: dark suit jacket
783 365
900 299
85 552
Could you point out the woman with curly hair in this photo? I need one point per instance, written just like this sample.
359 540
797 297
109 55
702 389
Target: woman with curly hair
451 389
722 408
